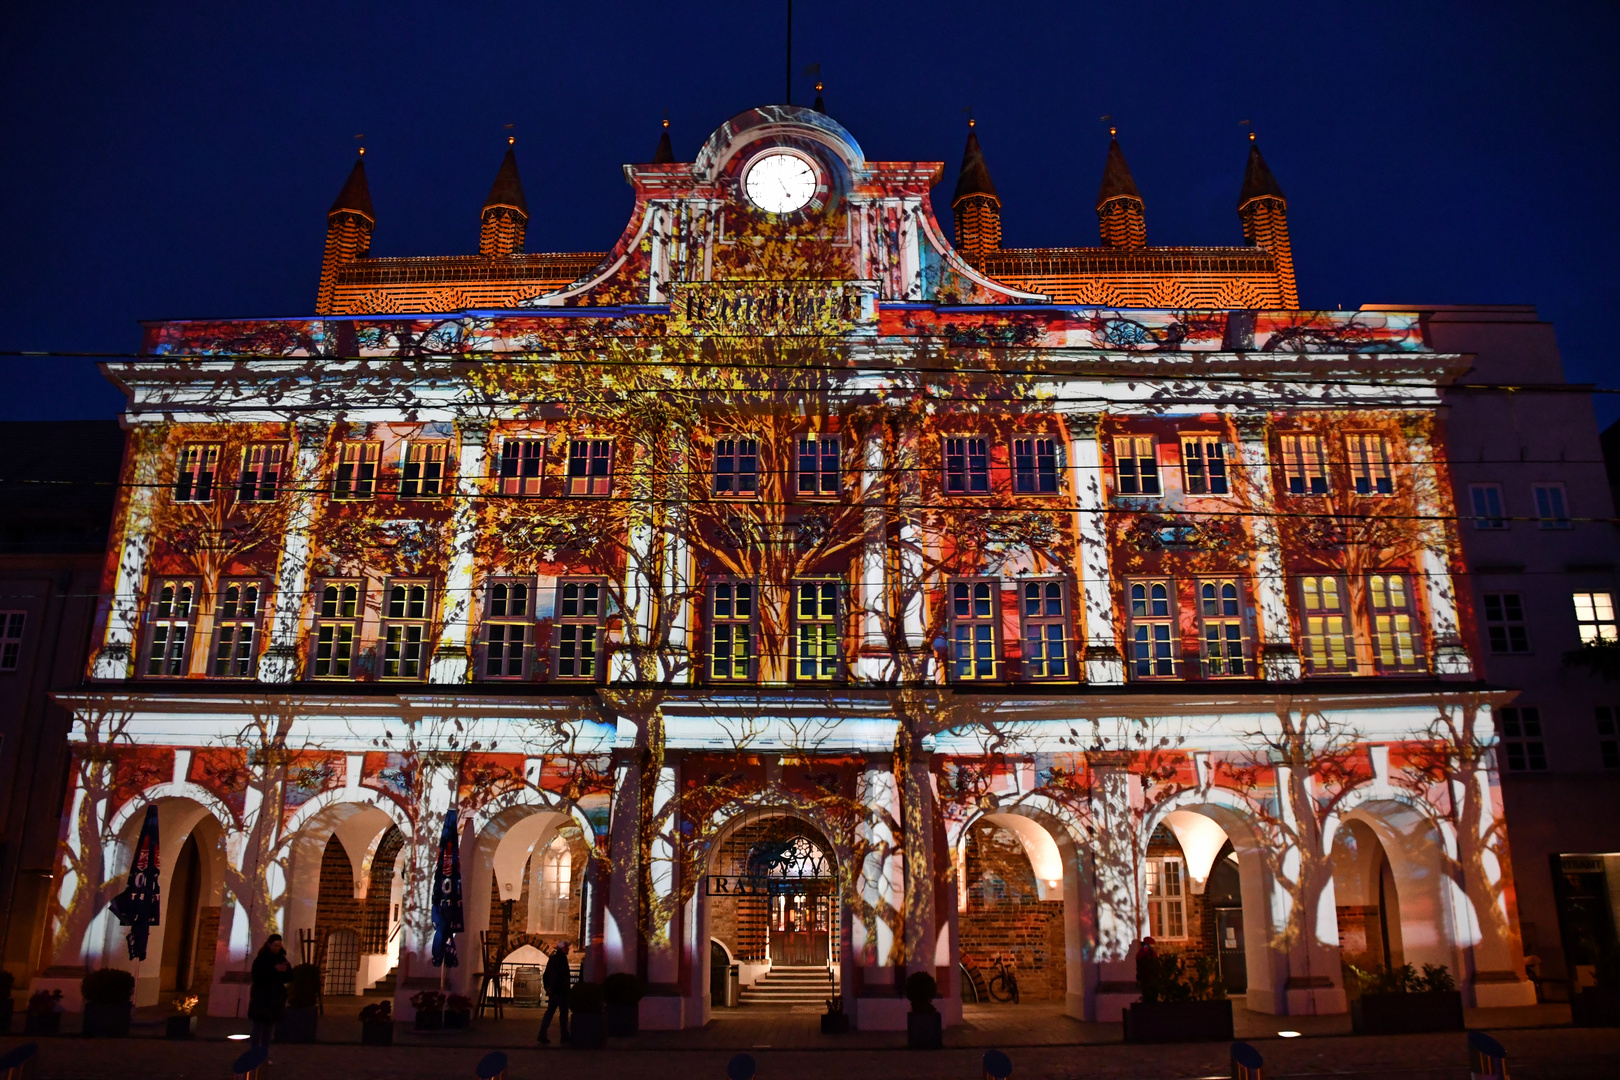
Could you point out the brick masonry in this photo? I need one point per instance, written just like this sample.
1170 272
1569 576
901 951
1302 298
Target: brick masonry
1005 915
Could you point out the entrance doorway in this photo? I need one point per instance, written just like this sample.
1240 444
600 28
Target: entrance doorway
800 929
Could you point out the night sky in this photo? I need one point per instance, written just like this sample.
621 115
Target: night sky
172 160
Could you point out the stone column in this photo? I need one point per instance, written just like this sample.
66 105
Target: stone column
452 658
416 968
1117 852
676 582
641 571
1279 659
116 656
278 663
1437 513
872 591
1307 971
880 881
1101 655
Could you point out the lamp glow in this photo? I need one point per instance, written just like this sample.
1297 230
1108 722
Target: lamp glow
239 1038
1200 839
1288 1034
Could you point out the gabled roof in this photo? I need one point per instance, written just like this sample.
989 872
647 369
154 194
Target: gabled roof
974 177
1117 182
1258 183
508 188
355 198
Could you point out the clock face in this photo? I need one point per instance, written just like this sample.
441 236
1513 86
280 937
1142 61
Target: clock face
781 183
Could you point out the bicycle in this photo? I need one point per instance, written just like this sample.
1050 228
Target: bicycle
1003 986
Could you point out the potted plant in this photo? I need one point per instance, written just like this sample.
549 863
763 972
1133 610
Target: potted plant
429 1006
925 1027
377 1024
1180 1003
107 995
1599 1005
587 1030
1402 1002
299 1021
6 983
621 997
458 1011
835 1021
44 1015
183 1024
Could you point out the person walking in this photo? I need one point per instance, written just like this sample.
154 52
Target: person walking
557 979
268 998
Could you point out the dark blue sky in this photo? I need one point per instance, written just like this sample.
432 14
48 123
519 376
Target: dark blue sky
177 159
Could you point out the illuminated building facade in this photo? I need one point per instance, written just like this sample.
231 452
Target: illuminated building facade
784 587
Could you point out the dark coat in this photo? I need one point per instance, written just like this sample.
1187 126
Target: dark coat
271 974
558 978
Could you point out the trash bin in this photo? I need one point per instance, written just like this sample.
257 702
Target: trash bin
734 986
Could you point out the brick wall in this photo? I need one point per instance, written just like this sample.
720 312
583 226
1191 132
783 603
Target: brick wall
335 905
1005 915
1200 940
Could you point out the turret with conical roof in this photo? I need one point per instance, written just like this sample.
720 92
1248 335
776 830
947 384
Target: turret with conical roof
665 154
975 205
1264 211
348 232
505 218
1120 212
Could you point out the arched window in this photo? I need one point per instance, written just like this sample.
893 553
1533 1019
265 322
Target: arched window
556 884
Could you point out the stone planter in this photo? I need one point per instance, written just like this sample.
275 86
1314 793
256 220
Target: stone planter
1596 1006
297 1024
925 1031
587 1031
377 1033
106 1021
461 1020
1178 1021
1405 1014
42 1023
834 1023
179 1027
623 1020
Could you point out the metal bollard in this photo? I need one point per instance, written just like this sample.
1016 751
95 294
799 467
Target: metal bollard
17 1064
248 1065
492 1066
1247 1064
740 1067
1486 1057
997 1066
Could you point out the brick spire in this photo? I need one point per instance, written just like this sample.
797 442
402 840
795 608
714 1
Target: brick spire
1264 212
665 154
348 232
976 206
505 218
1120 211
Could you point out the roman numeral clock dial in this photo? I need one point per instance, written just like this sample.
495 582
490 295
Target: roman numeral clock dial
780 183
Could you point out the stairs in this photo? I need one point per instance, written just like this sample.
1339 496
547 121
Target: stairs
790 986
385 985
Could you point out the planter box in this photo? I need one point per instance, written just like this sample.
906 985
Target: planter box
622 1020
925 1031
834 1023
106 1021
462 1020
43 1023
1596 1006
179 1027
1178 1021
1404 1014
377 1033
297 1025
429 1020
587 1031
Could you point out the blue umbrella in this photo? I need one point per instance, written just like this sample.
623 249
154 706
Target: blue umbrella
137 906
447 895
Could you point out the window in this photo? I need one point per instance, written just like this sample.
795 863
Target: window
11 632
1369 464
1504 623
1035 466
1152 629
818 465
590 466
1046 630
235 627
194 480
1302 465
736 466
967 466
405 629
556 884
507 619
1608 746
521 466
1594 614
973 621
731 630
1328 648
424 471
1136 468
1395 641
580 612
357 470
1203 465
259 478
1220 609
169 635
1521 738
1166 902
816 634
1487 501
1550 506
336 628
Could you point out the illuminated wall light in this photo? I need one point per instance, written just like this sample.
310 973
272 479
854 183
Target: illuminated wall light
1288 1034
239 1038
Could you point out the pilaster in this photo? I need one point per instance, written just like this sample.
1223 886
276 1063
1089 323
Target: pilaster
452 657
1437 512
1279 659
116 656
278 663
1103 662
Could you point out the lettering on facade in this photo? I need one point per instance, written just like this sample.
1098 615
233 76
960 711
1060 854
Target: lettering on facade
770 308
766 885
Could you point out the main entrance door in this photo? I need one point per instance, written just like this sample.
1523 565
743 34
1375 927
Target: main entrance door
800 929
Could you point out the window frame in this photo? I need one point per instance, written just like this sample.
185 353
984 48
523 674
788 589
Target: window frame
1484 518
1151 621
1345 637
196 474
1504 612
228 616
251 472
964 629
1218 663
828 629
1159 903
1307 466
972 481
411 613
507 621
354 479
1213 467
589 482
814 442
597 624
13 627
1601 619
161 623
1523 742
1386 642
730 623
1036 628
418 473
1037 464
1367 453
1554 490
520 468
1141 452
741 483
337 622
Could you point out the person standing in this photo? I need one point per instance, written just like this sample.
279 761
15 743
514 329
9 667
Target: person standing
267 1000
557 979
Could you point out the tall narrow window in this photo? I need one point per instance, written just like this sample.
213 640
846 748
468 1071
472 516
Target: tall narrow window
357 470
1203 465
974 619
424 471
736 466
1594 616
581 610
508 618
556 886
1220 611
590 466
194 479
1487 501
1166 899
816 636
1520 728
1302 465
1136 465
337 626
11 636
169 629
1551 507
967 466
236 629
1395 639
731 630
405 629
818 465
1326 621
259 477
1035 466
522 463
1046 630
1153 629
1369 464
1504 623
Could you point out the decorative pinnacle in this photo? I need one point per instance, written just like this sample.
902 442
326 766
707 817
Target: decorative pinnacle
666 121
1112 131
818 86
971 121
511 140
362 151
1251 136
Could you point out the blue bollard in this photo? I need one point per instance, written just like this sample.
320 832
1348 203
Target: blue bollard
492 1066
13 1064
997 1066
248 1065
1486 1056
1247 1064
740 1067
